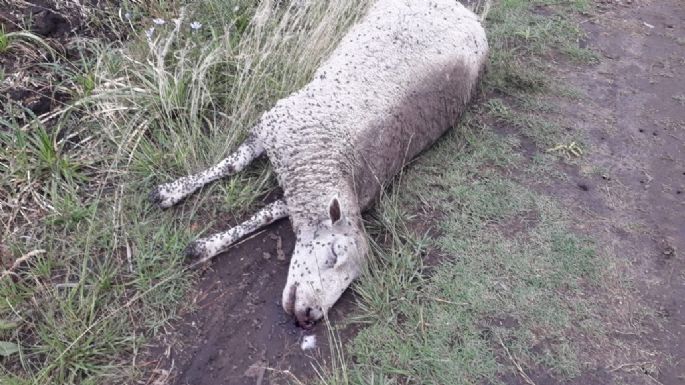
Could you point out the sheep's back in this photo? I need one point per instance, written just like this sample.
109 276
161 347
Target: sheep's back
395 83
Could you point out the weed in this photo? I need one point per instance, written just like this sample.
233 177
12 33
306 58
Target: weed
4 40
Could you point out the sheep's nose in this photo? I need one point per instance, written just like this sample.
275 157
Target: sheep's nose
304 318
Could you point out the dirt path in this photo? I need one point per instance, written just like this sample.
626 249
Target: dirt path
631 189
635 122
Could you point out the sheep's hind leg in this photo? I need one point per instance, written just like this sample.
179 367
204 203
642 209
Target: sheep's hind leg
206 248
168 194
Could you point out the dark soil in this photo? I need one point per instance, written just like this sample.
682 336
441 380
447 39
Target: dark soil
31 81
239 326
643 147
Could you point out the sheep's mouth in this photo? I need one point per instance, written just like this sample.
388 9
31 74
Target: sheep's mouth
305 320
306 325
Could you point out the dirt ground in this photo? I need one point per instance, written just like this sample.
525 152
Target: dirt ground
62 25
634 119
240 326
628 193
631 197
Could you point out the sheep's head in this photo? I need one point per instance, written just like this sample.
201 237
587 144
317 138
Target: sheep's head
328 256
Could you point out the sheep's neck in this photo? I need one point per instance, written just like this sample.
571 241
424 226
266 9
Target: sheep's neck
309 196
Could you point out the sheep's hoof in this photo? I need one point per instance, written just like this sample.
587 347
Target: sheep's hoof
155 196
158 198
195 250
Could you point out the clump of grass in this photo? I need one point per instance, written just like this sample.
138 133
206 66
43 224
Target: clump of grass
21 39
4 40
524 35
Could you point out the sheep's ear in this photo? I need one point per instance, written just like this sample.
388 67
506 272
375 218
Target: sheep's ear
334 211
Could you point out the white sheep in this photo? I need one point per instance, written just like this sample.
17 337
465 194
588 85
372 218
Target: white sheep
396 82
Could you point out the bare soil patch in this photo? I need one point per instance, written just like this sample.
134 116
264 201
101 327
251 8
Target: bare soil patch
30 78
238 332
628 193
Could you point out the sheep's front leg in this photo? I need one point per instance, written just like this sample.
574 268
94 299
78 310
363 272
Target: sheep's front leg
206 248
168 194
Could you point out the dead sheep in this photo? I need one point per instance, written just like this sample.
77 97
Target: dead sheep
396 82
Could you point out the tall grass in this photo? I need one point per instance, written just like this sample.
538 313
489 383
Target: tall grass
102 271
193 96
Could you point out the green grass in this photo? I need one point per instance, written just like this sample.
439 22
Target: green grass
4 40
515 276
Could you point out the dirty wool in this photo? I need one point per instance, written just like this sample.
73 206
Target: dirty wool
396 82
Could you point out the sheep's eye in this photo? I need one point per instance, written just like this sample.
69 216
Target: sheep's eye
332 258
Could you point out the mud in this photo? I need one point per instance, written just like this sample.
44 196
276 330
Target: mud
239 333
43 17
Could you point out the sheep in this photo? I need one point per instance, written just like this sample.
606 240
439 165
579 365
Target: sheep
396 82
